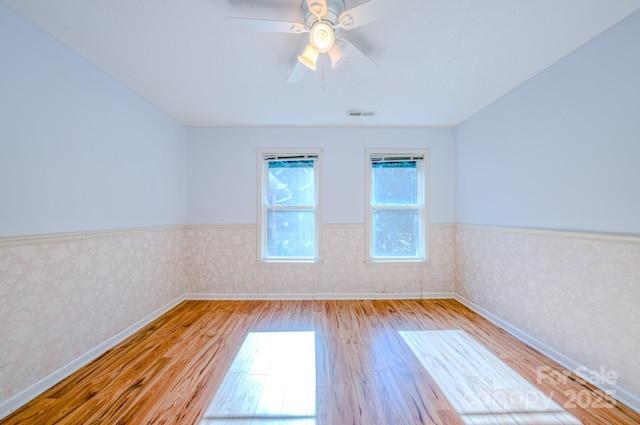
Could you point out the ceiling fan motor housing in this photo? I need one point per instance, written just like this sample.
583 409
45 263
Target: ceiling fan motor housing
334 9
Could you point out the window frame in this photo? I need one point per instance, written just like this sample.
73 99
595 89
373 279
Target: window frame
264 156
422 205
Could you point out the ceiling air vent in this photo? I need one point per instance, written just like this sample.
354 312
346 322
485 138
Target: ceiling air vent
360 113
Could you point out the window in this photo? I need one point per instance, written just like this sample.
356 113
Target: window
396 210
290 215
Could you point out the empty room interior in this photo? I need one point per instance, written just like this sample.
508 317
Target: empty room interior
320 212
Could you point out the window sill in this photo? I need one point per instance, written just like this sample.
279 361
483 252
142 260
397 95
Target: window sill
289 264
397 263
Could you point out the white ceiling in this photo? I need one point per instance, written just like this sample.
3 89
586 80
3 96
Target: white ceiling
440 61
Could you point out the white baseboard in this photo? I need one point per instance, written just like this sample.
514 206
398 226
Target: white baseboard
619 393
17 400
324 296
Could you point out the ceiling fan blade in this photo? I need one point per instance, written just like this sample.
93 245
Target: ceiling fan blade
365 13
298 73
317 7
356 57
266 25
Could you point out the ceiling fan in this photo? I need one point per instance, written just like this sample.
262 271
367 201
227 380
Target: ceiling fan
323 20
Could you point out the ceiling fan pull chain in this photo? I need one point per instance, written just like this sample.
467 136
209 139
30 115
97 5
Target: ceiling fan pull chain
323 71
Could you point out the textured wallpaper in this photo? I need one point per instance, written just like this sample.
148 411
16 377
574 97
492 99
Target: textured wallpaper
581 296
222 260
59 299
62 296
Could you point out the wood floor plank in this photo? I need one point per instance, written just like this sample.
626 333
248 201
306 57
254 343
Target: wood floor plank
481 387
366 373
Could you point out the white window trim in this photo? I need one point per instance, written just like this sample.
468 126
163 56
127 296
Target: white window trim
261 207
423 207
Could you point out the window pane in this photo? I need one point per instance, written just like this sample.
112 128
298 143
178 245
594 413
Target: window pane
395 233
394 183
291 183
290 234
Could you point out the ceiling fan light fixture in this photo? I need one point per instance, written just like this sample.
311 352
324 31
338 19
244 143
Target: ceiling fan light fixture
322 37
337 56
309 57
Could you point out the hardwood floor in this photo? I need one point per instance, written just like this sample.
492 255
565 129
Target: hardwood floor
200 364
481 387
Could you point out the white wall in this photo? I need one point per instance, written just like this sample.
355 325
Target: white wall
563 150
78 150
560 152
222 169
222 211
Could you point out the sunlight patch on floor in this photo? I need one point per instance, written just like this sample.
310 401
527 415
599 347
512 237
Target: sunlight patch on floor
482 388
272 380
